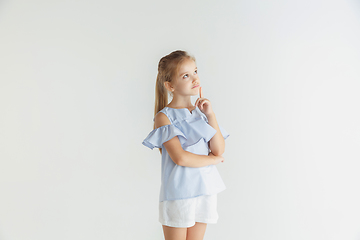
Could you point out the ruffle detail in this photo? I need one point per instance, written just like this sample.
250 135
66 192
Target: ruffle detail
163 134
223 132
194 129
190 131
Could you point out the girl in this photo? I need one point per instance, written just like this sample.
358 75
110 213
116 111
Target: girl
191 143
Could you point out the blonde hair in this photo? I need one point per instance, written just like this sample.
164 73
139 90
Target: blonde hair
168 69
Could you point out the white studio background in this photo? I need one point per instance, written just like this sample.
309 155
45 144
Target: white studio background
77 82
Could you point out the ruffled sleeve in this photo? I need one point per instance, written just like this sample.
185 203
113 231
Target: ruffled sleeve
224 133
163 134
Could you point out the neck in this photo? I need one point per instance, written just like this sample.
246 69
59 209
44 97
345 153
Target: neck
181 102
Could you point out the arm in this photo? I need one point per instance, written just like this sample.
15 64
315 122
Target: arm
179 155
188 159
194 160
217 142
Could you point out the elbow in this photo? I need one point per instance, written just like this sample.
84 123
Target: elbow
217 149
180 162
218 152
180 159
177 155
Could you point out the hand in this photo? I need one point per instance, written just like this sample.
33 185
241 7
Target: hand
204 104
217 159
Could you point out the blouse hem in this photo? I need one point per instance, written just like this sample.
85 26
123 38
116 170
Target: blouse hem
172 199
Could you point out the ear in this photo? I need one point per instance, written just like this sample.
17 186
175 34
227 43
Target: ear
168 86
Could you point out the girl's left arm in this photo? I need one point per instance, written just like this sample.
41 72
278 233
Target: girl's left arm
217 142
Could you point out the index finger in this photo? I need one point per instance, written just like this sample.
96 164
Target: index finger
201 94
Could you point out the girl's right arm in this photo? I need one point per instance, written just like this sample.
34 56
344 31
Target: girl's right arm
179 155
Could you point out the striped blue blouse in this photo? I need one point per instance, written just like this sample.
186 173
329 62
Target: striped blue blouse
194 132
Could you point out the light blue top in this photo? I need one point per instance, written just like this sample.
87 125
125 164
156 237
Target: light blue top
194 132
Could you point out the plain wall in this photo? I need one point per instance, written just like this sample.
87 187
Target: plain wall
77 85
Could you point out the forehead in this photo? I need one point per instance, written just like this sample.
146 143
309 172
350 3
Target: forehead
187 65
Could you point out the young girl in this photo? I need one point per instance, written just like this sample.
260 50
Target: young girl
191 143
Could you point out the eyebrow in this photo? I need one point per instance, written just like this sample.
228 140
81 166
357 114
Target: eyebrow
186 72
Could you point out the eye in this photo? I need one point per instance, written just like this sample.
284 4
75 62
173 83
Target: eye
185 75
196 71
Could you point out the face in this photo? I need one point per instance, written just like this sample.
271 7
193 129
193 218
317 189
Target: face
187 81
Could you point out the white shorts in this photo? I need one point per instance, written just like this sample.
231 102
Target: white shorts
184 213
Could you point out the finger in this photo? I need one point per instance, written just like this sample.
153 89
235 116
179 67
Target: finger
201 94
196 102
203 102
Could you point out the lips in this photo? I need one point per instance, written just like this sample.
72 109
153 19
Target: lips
195 86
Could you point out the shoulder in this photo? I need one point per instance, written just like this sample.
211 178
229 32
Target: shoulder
161 119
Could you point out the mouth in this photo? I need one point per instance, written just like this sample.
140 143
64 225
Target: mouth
195 86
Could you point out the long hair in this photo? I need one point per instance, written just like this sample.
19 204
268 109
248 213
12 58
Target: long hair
168 68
